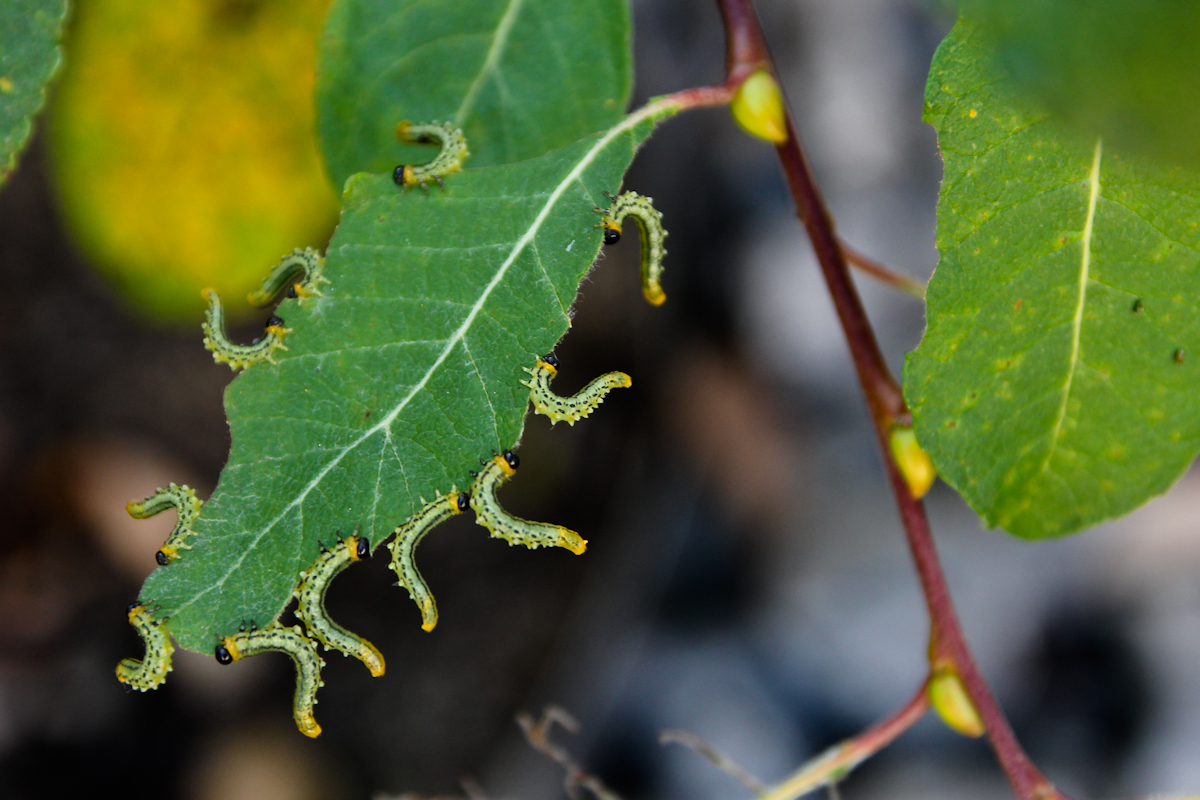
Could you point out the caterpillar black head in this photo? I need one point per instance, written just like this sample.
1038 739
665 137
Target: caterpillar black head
129 609
362 548
223 655
162 558
463 502
274 322
611 235
291 291
511 459
398 175
550 359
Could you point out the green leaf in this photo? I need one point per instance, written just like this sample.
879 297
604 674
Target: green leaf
29 56
399 379
1057 382
1126 69
520 77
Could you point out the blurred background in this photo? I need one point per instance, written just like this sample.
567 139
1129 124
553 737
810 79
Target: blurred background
746 577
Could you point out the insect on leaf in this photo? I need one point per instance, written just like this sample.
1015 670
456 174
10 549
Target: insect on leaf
1055 386
519 77
29 57
399 378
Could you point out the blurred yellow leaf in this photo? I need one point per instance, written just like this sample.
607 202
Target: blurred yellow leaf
183 144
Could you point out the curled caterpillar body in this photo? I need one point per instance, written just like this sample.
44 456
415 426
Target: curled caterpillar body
151 671
449 159
239 356
514 530
306 264
574 408
404 547
632 204
311 609
185 502
304 655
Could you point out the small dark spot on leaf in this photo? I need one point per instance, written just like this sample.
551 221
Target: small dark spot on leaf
1017 307
1138 305
1178 356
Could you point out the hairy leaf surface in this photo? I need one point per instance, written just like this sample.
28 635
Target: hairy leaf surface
29 57
520 77
399 379
1058 381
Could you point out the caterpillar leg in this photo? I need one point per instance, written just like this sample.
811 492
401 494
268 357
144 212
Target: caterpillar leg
514 530
311 609
404 547
239 356
449 159
151 671
185 502
306 264
292 641
632 204
574 408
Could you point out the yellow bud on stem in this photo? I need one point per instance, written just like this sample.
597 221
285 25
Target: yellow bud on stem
758 107
913 462
950 700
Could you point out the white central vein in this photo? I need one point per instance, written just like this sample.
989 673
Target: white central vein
499 42
385 423
1085 263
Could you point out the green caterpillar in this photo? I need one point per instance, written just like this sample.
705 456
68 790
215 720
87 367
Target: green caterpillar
185 502
311 608
514 530
306 262
151 671
632 204
579 405
449 159
239 356
303 652
404 547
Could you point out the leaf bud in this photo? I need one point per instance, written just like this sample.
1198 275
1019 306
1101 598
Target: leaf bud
912 460
950 700
758 107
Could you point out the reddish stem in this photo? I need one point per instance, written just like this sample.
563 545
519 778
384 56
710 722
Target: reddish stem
748 50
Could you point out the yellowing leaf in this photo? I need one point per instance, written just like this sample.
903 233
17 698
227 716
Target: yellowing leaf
183 143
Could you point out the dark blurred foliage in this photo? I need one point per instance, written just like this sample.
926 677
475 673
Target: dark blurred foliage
744 562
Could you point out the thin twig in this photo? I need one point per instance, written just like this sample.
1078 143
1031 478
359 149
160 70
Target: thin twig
747 45
837 761
538 736
714 755
881 272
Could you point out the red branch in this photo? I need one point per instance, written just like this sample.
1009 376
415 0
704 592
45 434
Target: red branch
747 51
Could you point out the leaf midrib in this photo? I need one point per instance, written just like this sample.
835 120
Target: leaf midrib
1085 263
385 423
499 41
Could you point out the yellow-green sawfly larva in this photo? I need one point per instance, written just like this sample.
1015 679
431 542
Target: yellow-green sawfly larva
514 530
632 204
239 356
404 547
151 671
303 651
574 408
185 502
306 263
314 582
449 159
